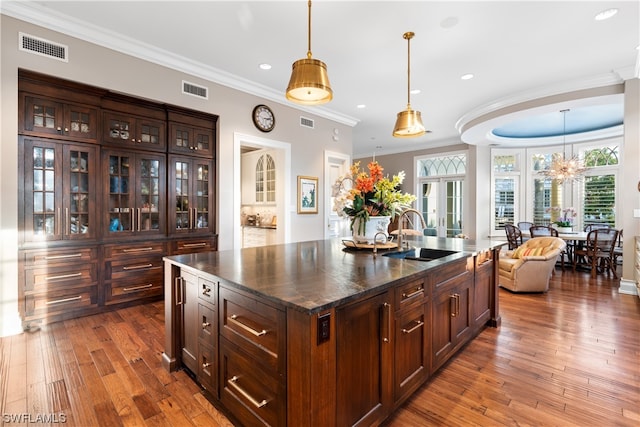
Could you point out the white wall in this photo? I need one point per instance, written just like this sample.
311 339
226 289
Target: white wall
105 68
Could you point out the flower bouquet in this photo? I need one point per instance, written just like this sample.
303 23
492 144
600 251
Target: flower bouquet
371 194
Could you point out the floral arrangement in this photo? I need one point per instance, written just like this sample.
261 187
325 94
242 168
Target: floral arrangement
566 218
372 194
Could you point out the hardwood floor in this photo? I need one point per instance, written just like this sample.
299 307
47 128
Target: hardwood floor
570 357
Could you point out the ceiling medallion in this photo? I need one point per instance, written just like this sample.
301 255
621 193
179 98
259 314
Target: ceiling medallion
563 169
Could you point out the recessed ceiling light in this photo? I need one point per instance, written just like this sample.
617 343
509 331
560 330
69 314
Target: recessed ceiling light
415 91
265 66
361 106
468 76
606 14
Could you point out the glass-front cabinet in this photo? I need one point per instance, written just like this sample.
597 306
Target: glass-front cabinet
141 132
59 181
50 117
135 193
191 198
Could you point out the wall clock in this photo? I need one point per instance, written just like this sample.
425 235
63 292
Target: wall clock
263 118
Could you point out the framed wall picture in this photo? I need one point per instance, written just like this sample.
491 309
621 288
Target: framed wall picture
307 194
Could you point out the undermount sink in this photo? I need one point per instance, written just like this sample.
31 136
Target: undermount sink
420 254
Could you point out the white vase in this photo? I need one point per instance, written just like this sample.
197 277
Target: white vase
563 229
374 225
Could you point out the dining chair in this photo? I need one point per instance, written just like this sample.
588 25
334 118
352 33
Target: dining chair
514 236
617 250
598 252
525 225
595 226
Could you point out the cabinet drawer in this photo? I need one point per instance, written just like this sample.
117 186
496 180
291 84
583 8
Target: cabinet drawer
189 246
207 367
134 289
46 278
452 270
60 256
59 301
150 267
207 330
207 290
127 251
410 293
256 327
252 395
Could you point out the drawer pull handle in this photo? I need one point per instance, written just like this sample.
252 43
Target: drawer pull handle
418 291
418 324
138 288
232 382
138 267
62 301
234 318
205 325
138 250
52 257
63 276
195 245
205 365
206 291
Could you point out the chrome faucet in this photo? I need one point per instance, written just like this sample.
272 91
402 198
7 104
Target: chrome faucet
406 211
375 240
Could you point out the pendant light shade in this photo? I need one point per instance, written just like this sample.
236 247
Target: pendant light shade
409 122
309 82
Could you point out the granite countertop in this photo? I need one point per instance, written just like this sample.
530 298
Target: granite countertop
317 275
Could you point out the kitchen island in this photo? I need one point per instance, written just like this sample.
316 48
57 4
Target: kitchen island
313 333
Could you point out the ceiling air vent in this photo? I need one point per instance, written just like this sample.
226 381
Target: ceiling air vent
195 90
307 123
40 46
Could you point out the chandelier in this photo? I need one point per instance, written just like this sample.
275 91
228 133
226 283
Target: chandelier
565 169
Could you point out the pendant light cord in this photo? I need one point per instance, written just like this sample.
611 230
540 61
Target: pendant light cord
564 133
408 36
309 32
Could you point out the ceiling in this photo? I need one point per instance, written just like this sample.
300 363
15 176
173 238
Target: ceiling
516 50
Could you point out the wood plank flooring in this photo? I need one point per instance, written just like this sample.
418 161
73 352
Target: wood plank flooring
570 357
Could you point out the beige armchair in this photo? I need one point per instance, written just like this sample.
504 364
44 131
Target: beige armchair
529 267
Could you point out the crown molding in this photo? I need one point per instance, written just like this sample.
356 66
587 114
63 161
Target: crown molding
44 17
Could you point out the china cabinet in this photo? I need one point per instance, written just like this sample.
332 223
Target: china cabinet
191 195
59 183
95 220
134 187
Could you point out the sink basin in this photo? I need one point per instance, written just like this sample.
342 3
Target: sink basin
421 254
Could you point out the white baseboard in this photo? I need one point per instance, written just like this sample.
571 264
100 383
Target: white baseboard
628 287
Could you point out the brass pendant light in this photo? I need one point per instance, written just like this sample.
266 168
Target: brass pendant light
409 122
309 82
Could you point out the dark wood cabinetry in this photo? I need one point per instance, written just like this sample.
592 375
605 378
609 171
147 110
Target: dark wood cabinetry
281 361
189 134
55 118
451 310
94 211
364 360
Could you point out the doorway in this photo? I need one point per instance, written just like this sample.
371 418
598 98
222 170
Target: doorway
441 202
335 165
276 209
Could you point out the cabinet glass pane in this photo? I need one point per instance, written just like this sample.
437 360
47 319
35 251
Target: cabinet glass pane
44 116
44 207
182 195
149 194
182 138
119 129
120 209
150 134
79 192
203 142
80 122
202 196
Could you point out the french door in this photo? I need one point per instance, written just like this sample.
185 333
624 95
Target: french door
441 205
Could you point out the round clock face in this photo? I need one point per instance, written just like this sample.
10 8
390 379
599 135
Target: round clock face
263 118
